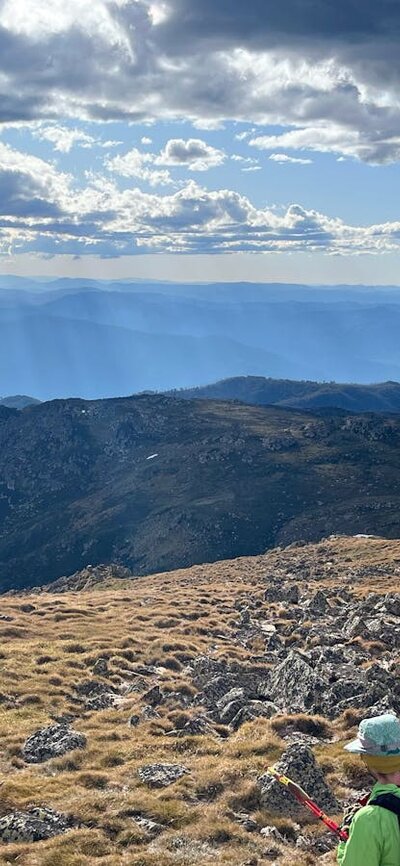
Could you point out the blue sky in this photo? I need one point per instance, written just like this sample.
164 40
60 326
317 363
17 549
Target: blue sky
196 139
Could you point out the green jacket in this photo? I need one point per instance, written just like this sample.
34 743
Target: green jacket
374 838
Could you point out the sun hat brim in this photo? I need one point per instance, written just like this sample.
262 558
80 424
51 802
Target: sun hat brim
378 736
356 747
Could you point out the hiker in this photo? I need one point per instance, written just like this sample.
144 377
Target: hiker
374 828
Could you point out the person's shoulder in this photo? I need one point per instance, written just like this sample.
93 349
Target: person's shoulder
373 815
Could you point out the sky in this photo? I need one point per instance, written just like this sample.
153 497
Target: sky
201 139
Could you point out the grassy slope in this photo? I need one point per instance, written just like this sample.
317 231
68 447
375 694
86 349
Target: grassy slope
165 620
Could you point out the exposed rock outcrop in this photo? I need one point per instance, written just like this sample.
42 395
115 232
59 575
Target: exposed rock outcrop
51 742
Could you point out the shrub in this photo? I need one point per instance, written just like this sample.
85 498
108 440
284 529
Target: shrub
28 700
93 780
75 648
112 759
172 664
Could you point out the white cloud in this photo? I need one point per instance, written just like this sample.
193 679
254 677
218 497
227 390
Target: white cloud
30 181
208 123
135 163
193 153
36 20
284 158
64 139
247 163
323 139
146 140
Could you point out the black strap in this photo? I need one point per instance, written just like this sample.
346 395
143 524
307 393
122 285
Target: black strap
387 801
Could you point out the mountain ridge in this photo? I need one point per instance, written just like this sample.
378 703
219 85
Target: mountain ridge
306 394
154 483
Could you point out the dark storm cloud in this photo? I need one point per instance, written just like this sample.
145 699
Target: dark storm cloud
261 21
308 64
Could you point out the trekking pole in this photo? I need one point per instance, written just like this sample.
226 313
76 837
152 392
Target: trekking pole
306 801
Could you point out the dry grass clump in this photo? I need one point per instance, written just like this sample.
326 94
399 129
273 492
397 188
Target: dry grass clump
352 717
316 726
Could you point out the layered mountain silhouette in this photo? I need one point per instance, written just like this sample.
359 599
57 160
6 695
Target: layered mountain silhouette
259 391
92 339
155 483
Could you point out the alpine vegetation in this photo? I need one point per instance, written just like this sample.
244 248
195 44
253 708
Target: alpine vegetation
140 716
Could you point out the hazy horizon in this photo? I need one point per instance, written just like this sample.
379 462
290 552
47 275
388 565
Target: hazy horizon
96 339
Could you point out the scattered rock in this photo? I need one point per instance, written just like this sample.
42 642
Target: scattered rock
231 710
86 579
318 604
151 828
391 604
253 710
294 686
154 697
8 702
244 618
33 825
271 832
96 695
286 593
149 713
246 821
299 764
100 668
161 775
51 742
194 727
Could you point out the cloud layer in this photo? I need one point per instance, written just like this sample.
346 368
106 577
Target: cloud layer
44 210
315 77
328 70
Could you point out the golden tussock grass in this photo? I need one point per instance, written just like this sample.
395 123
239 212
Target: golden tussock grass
163 621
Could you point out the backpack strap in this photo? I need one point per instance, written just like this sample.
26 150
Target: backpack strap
387 801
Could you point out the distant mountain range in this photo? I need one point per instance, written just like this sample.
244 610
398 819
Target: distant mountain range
155 483
92 339
259 391
18 401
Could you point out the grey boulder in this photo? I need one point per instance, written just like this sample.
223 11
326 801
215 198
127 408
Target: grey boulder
299 764
51 742
32 825
161 775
